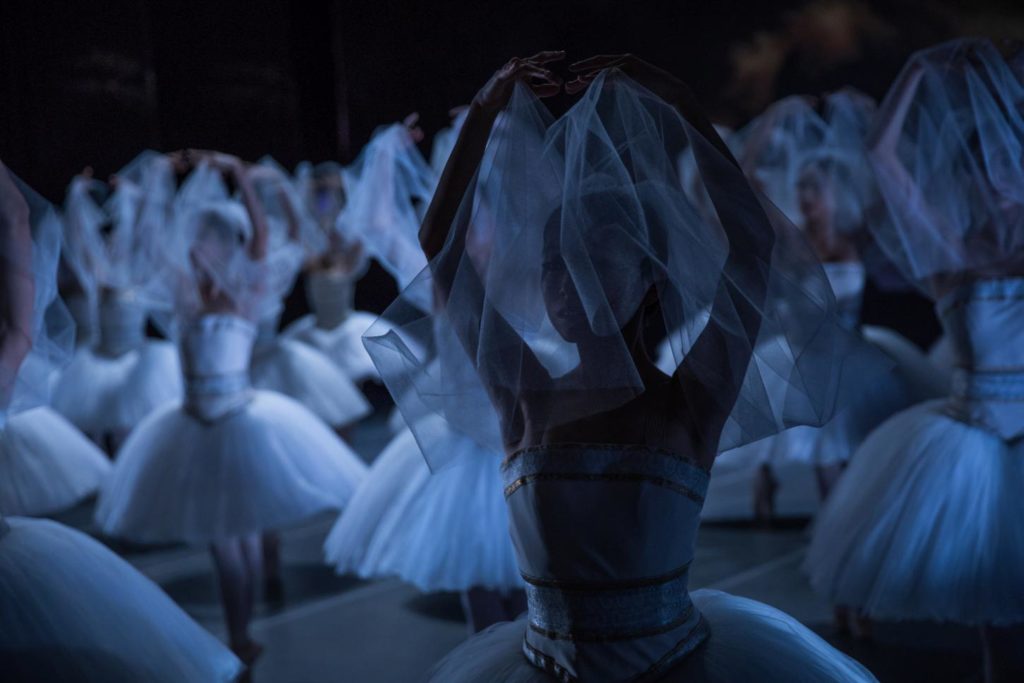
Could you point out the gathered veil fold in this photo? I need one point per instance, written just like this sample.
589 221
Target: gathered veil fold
570 228
53 330
954 192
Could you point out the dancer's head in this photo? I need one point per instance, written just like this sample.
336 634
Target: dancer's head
222 234
600 271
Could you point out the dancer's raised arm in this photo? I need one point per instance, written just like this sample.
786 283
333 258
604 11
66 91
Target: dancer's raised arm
712 373
469 147
238 172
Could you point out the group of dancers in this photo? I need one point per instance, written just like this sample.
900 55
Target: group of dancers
595 309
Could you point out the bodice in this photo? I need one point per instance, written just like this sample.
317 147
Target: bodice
215 353
604 536
121 322
266 334
985 325
847 279
330 296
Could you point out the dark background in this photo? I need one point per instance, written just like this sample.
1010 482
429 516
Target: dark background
95 83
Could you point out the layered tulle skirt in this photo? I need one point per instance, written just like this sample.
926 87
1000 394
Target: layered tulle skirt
99 394
268 465
46 465
71 610
444 531
794 453
749 641
926 524
343 344
306 375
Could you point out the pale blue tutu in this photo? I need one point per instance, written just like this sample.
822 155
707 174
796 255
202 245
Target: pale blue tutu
925 524
71 610
445 531
46 465
268 465
306 375
101 394
749 641
342 344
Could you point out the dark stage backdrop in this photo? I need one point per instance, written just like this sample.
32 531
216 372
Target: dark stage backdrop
91 84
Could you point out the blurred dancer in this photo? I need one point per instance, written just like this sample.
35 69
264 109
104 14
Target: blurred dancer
925 523
231 462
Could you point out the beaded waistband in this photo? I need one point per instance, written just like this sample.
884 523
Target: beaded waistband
988 385
213 397
593 612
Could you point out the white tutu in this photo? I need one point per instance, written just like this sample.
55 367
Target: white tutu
794 453
100 394
876 401
306 375
71 610
925 524
272 463
925 377
445 531
46 465
749 641
343 344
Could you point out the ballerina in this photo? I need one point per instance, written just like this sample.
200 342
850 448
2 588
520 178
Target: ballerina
812 165
57 619
46 464
230 462
587 236
280 363
375 220
440 531
111 385
924 524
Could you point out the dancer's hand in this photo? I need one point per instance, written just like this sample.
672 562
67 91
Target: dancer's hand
238 172
657 80
228 164
411 123
498 90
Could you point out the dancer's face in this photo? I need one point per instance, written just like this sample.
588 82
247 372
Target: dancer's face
328 198
815 196
563 303
561 298
215 249
619 278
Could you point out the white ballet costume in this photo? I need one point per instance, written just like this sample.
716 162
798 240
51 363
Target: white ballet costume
112 386
334 328
46 465
925 525
794 452
229 461
441 531
72 610
305 374
80 308
604 535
